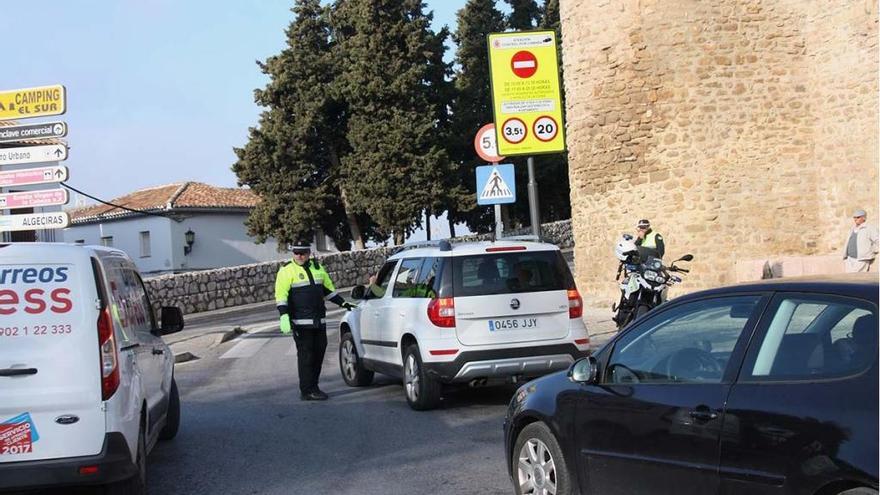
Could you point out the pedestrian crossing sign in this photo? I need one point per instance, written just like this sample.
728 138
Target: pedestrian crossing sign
496 184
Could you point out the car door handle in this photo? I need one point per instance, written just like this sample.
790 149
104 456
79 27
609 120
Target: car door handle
158 352
403 314
701 414
18 371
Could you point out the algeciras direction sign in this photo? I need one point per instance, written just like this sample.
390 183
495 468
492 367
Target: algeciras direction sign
526 93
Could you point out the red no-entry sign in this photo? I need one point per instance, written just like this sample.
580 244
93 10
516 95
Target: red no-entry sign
524 64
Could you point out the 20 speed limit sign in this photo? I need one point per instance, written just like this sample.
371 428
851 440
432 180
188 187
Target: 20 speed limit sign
514 130
545 128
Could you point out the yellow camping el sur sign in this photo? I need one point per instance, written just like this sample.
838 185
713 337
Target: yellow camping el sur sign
33 102
526 93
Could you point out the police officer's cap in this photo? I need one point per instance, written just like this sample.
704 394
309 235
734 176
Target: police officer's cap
300 244
644 224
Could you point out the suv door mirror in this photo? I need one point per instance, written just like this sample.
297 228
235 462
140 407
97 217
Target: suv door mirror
358 292
172 320
584 370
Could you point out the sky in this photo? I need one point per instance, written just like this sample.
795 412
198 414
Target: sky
158 91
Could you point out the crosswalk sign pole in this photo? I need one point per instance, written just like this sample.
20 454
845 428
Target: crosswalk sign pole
499 226
533 199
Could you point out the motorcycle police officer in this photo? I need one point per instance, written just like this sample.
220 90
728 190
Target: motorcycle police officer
301 287
650 243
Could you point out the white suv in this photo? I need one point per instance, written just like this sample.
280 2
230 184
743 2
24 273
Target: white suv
464 313
86 383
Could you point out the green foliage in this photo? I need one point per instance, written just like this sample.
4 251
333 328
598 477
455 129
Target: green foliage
363 128
393 84
472 104
285 160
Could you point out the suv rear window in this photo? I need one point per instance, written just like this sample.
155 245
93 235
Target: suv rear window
510 273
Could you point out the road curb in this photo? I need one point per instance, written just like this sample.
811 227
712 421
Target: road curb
185 357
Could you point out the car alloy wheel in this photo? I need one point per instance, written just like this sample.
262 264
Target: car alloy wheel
349 360
411 378
536 470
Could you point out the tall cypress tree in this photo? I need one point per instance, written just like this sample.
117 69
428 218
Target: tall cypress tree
472 105
388 57
287 159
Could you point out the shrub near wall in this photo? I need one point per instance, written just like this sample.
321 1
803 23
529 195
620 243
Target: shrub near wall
224 287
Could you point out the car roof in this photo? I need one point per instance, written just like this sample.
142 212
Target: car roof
861 285
470 248
45 250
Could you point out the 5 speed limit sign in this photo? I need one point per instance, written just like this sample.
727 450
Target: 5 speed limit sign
545 128
486 145
513 130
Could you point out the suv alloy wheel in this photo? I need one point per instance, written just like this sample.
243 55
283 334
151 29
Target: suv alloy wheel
350 364
422 390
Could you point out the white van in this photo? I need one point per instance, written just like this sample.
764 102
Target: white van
86 382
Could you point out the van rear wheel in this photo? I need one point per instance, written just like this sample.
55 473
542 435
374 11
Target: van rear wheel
172 417
137 484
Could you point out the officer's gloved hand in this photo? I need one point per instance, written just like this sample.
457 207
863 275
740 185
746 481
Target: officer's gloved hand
285 324
349 306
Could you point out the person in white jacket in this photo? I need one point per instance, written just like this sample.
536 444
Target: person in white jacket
861 245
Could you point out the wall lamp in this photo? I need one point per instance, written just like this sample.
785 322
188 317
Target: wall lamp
190 237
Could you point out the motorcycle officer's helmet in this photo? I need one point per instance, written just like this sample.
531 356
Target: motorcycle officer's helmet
626 249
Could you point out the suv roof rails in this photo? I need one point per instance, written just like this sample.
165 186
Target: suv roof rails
442 244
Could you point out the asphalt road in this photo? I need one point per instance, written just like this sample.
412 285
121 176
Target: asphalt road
245 431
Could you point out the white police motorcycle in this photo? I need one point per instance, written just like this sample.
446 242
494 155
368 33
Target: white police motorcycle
643 283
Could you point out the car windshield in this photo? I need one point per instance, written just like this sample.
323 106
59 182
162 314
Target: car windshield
510 273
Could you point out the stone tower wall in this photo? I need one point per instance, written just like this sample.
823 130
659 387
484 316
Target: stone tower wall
743 130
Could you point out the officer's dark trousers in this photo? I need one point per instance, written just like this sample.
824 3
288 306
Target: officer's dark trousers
310 346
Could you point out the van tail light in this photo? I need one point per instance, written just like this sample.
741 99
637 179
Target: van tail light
441 312
109 356
575 304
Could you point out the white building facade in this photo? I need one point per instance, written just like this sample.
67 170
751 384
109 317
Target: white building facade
182 227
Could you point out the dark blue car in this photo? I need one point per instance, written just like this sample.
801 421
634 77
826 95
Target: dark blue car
763 388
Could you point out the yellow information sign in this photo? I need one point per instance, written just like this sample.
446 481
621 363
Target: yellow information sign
33 102
526 98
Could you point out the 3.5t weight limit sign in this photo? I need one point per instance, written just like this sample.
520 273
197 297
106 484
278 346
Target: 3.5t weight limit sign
514 131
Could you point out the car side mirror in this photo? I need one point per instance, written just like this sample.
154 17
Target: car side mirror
172 320
358 292
687 257
584 370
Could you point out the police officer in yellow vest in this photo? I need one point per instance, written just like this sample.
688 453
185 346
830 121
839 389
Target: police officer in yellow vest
650 243
301 287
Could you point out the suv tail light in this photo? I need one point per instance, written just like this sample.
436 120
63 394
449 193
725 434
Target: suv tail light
109 357
575 304
441 312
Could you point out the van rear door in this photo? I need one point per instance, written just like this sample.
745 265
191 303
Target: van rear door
50 378
509 296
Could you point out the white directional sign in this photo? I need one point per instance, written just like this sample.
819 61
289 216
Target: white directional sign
34 221
39 175
34 199
11 134
33 154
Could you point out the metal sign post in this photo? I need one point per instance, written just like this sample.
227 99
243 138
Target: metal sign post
486 146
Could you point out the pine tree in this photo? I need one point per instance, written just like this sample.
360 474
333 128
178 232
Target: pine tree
472 105
524 15
390 84
291 158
